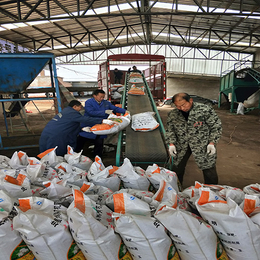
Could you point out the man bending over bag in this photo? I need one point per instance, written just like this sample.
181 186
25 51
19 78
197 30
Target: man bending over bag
64 127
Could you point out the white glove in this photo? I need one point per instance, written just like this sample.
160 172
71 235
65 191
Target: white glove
172 150
86 129
211 149
107 121
108 111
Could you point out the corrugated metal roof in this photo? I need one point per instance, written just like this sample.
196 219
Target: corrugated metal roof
66 27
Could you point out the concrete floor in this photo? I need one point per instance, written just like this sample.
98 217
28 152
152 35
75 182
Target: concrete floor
238 161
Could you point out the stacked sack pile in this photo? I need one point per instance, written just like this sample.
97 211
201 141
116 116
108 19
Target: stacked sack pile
117 91
69 207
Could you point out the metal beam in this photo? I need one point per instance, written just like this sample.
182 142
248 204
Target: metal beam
184 13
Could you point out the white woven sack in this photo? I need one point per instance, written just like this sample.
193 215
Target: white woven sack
130 178
44 228
11 243
155 174
252 189
18 160
237 232
136 80
4 162
92 231
145 237
144 122
122 202
77 159
118 124
192 236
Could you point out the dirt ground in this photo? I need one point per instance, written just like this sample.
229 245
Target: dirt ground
238 162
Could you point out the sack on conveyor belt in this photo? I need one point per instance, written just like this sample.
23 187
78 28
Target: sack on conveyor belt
135 75
144 122
136 80
92 229
11 243
114 124
237 232
44 228
136 90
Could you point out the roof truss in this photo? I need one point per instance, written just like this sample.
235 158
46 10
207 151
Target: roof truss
70 27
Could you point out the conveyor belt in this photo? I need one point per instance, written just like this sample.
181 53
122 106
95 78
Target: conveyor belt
145 147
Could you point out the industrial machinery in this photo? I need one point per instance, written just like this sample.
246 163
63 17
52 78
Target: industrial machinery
18 70
239 84
141 148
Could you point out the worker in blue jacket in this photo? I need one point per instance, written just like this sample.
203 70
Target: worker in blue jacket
64 128
99 108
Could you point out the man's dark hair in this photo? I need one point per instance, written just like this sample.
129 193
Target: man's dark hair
184 96
97 91
74 102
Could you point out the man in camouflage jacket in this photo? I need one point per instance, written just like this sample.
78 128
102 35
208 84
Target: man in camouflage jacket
193 128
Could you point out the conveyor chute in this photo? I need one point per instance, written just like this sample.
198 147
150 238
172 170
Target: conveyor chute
141 147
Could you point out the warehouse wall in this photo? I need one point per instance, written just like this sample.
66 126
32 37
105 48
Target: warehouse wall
207 87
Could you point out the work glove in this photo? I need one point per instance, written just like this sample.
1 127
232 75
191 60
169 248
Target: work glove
211 149
86 129
172 150
109 111
108 122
